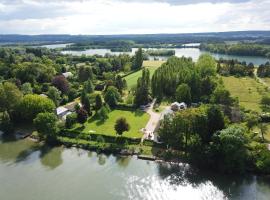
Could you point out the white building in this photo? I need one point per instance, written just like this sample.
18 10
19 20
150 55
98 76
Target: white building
67 74
62 112
178 106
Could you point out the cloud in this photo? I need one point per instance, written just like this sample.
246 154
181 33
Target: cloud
133 16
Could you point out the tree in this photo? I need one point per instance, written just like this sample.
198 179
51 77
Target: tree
263 128
26 88
221 96
85 73
103 113
98 101
10 96
32 104
121 125
61 83
87 105
231 151
46 124
252 120
120 83
71 120
82 116
183 94
206 65
265 102
142 93
54 94
88 86
6 125
215 120
112 96
83 96
138 59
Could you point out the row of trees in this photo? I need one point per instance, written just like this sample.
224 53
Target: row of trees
241 49
264 70
179 75
235 68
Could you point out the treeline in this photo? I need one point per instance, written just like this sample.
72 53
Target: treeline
241 49
114 45
160 52
183 80
264 70
235 68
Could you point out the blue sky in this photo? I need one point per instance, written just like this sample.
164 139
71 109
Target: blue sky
132 16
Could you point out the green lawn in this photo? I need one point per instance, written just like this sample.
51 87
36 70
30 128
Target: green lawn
151 65
137 120
248 91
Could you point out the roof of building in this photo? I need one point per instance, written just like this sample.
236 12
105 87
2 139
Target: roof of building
178 104
67 74
43 95
71 106
61 110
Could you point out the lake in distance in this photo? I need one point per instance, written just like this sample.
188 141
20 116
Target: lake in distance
194 53
29 171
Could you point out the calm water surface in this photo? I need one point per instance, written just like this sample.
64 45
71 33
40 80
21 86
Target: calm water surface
34 172
194 53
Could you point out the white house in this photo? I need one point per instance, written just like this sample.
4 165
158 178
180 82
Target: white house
178 106
67 74
61 112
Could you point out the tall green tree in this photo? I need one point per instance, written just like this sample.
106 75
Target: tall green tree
46 124
98 101
32 104
206 65
54 94
183 93
112 96
142 93
10 96
138 60
88 86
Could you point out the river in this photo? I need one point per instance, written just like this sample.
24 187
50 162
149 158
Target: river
194 53
29 171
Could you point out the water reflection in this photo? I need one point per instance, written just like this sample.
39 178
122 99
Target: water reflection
123 161
51 157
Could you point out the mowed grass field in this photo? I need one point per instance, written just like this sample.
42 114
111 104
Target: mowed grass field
151 65
137 120
248 91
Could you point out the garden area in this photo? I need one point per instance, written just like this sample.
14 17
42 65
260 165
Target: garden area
137 120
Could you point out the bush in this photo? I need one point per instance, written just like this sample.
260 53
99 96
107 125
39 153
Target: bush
71 120
100 139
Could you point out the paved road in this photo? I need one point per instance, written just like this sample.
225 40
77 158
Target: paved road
152 123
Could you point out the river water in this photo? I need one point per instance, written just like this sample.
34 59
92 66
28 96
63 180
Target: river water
29 171
194 53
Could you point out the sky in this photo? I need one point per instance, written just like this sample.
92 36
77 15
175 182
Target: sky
102 17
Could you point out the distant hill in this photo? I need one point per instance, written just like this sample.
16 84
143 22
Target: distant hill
257 36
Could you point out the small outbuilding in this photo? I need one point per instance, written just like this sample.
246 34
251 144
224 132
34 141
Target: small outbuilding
61 112
67 74
178 106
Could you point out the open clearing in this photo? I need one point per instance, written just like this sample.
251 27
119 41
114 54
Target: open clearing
151 65
137 120
248 91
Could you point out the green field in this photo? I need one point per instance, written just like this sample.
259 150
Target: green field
137 120
248 91
151 65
